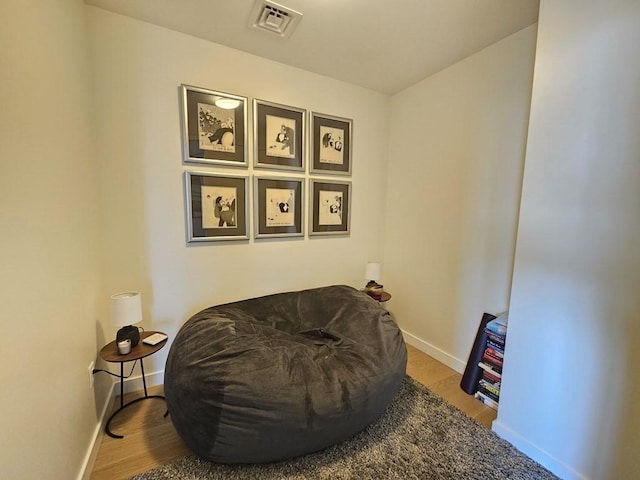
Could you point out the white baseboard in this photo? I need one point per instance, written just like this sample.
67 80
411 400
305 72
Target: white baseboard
134 384
435 352
94 447
131 384
558 468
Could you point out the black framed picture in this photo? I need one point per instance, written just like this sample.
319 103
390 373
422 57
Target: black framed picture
330 205
279 136
217 206
331 144
278 207
214 127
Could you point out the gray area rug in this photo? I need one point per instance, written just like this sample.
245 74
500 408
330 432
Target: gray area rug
420 436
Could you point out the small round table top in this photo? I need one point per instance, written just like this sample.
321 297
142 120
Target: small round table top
109 352
384 296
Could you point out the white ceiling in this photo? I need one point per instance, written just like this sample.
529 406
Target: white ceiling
384 45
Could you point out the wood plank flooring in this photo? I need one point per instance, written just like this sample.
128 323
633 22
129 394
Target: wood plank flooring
446 382
150 439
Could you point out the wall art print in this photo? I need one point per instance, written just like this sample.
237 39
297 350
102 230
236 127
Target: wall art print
331 140
217 206
214 127
279 136
330 205
278 206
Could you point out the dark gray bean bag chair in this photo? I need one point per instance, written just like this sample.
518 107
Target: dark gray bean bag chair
279 376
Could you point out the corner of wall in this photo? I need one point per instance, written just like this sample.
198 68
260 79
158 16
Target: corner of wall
533 451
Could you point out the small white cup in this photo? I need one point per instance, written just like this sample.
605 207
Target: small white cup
124 346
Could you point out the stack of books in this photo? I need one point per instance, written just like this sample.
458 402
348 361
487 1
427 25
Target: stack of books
492 361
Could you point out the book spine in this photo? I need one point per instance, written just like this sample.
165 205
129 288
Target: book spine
490 388
494 346
487 401
491 368
498 339
492 352
493 361
490 376
492 396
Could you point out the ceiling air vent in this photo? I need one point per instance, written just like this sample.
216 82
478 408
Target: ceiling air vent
273 18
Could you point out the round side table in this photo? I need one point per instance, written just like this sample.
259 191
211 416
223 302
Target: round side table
384 296
109 353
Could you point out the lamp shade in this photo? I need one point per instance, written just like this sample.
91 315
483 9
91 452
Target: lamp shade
372 272
126 308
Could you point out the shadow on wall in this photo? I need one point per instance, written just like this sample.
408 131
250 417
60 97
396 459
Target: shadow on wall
102 382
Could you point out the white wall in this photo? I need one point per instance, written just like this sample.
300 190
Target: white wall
48 254
571 386
138 69
456 155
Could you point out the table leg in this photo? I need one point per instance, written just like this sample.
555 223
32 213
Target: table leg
121 384
107 427
144 382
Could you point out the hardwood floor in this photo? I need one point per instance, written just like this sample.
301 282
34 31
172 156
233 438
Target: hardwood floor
150 439
446 382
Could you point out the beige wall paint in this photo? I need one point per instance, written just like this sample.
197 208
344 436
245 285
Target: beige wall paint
456 155
49 285
138 69
570 387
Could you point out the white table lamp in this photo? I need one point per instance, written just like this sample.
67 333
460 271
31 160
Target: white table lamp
372 276
372 272
126 309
